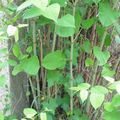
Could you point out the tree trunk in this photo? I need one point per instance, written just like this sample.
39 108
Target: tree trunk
18 85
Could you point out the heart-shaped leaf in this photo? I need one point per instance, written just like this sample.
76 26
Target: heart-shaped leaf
31 65
96 99
29 112
102 56
107 15
54 60
66 26
83 95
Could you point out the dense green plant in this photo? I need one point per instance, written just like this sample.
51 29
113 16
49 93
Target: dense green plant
66 58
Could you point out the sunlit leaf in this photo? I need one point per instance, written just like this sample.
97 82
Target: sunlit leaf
43 116
31 65
99 89
83 95
107 15
96 99
29 112
54 60
13 31
102 56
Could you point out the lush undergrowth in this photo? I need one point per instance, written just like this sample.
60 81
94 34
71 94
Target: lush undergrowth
69 50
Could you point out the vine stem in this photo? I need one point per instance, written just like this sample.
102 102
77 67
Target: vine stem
71 63
35 53
54 40
95 70
53 48
33 92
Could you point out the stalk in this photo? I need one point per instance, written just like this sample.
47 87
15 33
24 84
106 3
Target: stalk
71 63
53 48
35 53
33 93
41 58
93 79
54 40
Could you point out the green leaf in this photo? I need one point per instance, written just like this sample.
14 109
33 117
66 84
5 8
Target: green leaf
50 105
78 19
13 31
99 90
86 24
82 86
106 71
107 16
16 50
53 77
116 100
86 46
17 69
109 79
66 21
79 79
38 3
108 107
29 112
62 3
54 60
24 5
83 95
31 65
52 12
43 116
114 85
102 56
29 49
66 26
12 62
89 62
65 31
96 99
114 115
32 12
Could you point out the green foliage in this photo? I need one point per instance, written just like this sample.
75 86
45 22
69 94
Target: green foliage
66 26
86 24
107 15
96 99
102 56
29 112
54 60
64 51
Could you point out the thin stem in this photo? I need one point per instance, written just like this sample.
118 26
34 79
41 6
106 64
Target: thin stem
54 40
53 48
94 74
35 53
71 75
71 64
33 92
41 58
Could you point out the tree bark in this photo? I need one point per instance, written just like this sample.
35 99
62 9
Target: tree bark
18 85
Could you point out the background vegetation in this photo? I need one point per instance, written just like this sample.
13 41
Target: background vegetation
64 59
